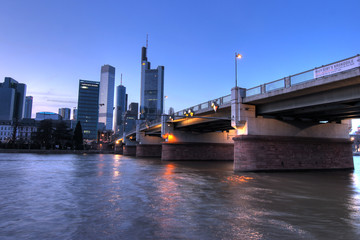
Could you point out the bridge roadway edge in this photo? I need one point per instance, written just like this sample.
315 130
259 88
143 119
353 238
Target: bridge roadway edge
278 153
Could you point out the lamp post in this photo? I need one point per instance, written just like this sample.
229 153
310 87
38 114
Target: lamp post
237 56
165 97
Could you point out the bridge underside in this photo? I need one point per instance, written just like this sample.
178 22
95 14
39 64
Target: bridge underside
337 99
205 123
316 107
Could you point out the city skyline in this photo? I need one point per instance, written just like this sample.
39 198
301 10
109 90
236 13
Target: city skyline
50 52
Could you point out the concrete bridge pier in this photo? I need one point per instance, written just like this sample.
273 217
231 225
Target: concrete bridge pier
148 146
185 146
265 144
129 147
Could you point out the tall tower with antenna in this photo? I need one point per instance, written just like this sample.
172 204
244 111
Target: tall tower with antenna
152 88
120 107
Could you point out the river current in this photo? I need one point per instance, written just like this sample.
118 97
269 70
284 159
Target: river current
118 197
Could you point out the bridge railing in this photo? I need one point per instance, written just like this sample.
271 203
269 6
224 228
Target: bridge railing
206 105
150 123
312 74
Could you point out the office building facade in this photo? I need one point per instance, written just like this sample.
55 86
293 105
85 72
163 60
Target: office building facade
47 115
152 89
65 113
106 96
130 117
120 109
74 116
88 108
25 130
28 106
12 100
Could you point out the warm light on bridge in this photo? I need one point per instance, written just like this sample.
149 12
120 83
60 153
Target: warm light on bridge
168 137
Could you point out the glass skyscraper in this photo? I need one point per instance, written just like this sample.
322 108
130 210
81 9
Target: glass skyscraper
28 106
12 100
106 97
121 107
152 89
65 113
88 108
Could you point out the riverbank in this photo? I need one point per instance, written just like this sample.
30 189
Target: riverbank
57 151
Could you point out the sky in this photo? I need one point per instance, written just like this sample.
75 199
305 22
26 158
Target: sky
50 45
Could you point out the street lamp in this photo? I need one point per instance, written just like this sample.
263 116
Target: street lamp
237 56
165 97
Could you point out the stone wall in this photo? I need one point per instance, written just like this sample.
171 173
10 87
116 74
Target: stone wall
148 150
265 153
197 151
129 150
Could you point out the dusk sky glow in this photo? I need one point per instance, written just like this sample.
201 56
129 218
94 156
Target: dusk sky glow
50 45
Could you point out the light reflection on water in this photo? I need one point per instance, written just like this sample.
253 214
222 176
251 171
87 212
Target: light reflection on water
117 197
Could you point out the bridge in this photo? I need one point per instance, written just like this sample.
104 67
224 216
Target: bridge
298 122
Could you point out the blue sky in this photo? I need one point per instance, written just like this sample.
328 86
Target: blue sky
50 45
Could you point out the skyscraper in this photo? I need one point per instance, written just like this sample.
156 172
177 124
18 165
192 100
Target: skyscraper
88 108
106 97
120 109
152 89
65 113
28 106
130 117
74 116
12 99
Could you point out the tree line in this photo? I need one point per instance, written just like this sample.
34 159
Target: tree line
50 135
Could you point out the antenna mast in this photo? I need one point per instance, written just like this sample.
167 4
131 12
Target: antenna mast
147 40
121 80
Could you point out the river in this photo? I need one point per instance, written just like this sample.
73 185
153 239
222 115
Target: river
118 197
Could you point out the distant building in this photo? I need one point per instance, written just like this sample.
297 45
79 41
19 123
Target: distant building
28 106
25 129
47 115
130 117
12 100
120 109
74 116
152 89
88 108
65 113
106 96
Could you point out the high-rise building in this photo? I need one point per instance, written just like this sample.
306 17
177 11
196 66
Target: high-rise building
152 89
12 100
130 117
88 108
120 109
47 115
65 113
28 106
106 97
74 116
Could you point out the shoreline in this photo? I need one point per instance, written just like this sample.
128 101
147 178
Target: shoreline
56 151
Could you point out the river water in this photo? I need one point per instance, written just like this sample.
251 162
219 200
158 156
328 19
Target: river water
118 197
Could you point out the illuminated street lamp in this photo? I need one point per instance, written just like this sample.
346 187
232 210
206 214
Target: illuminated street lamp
164 104
237 56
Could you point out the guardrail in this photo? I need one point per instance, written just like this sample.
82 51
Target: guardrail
150 123
206 105
312 74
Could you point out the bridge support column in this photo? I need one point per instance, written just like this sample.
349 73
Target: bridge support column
148 146
129 147
129 150
182 145
197 151
266 153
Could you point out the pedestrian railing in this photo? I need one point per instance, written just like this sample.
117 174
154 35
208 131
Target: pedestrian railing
309 75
